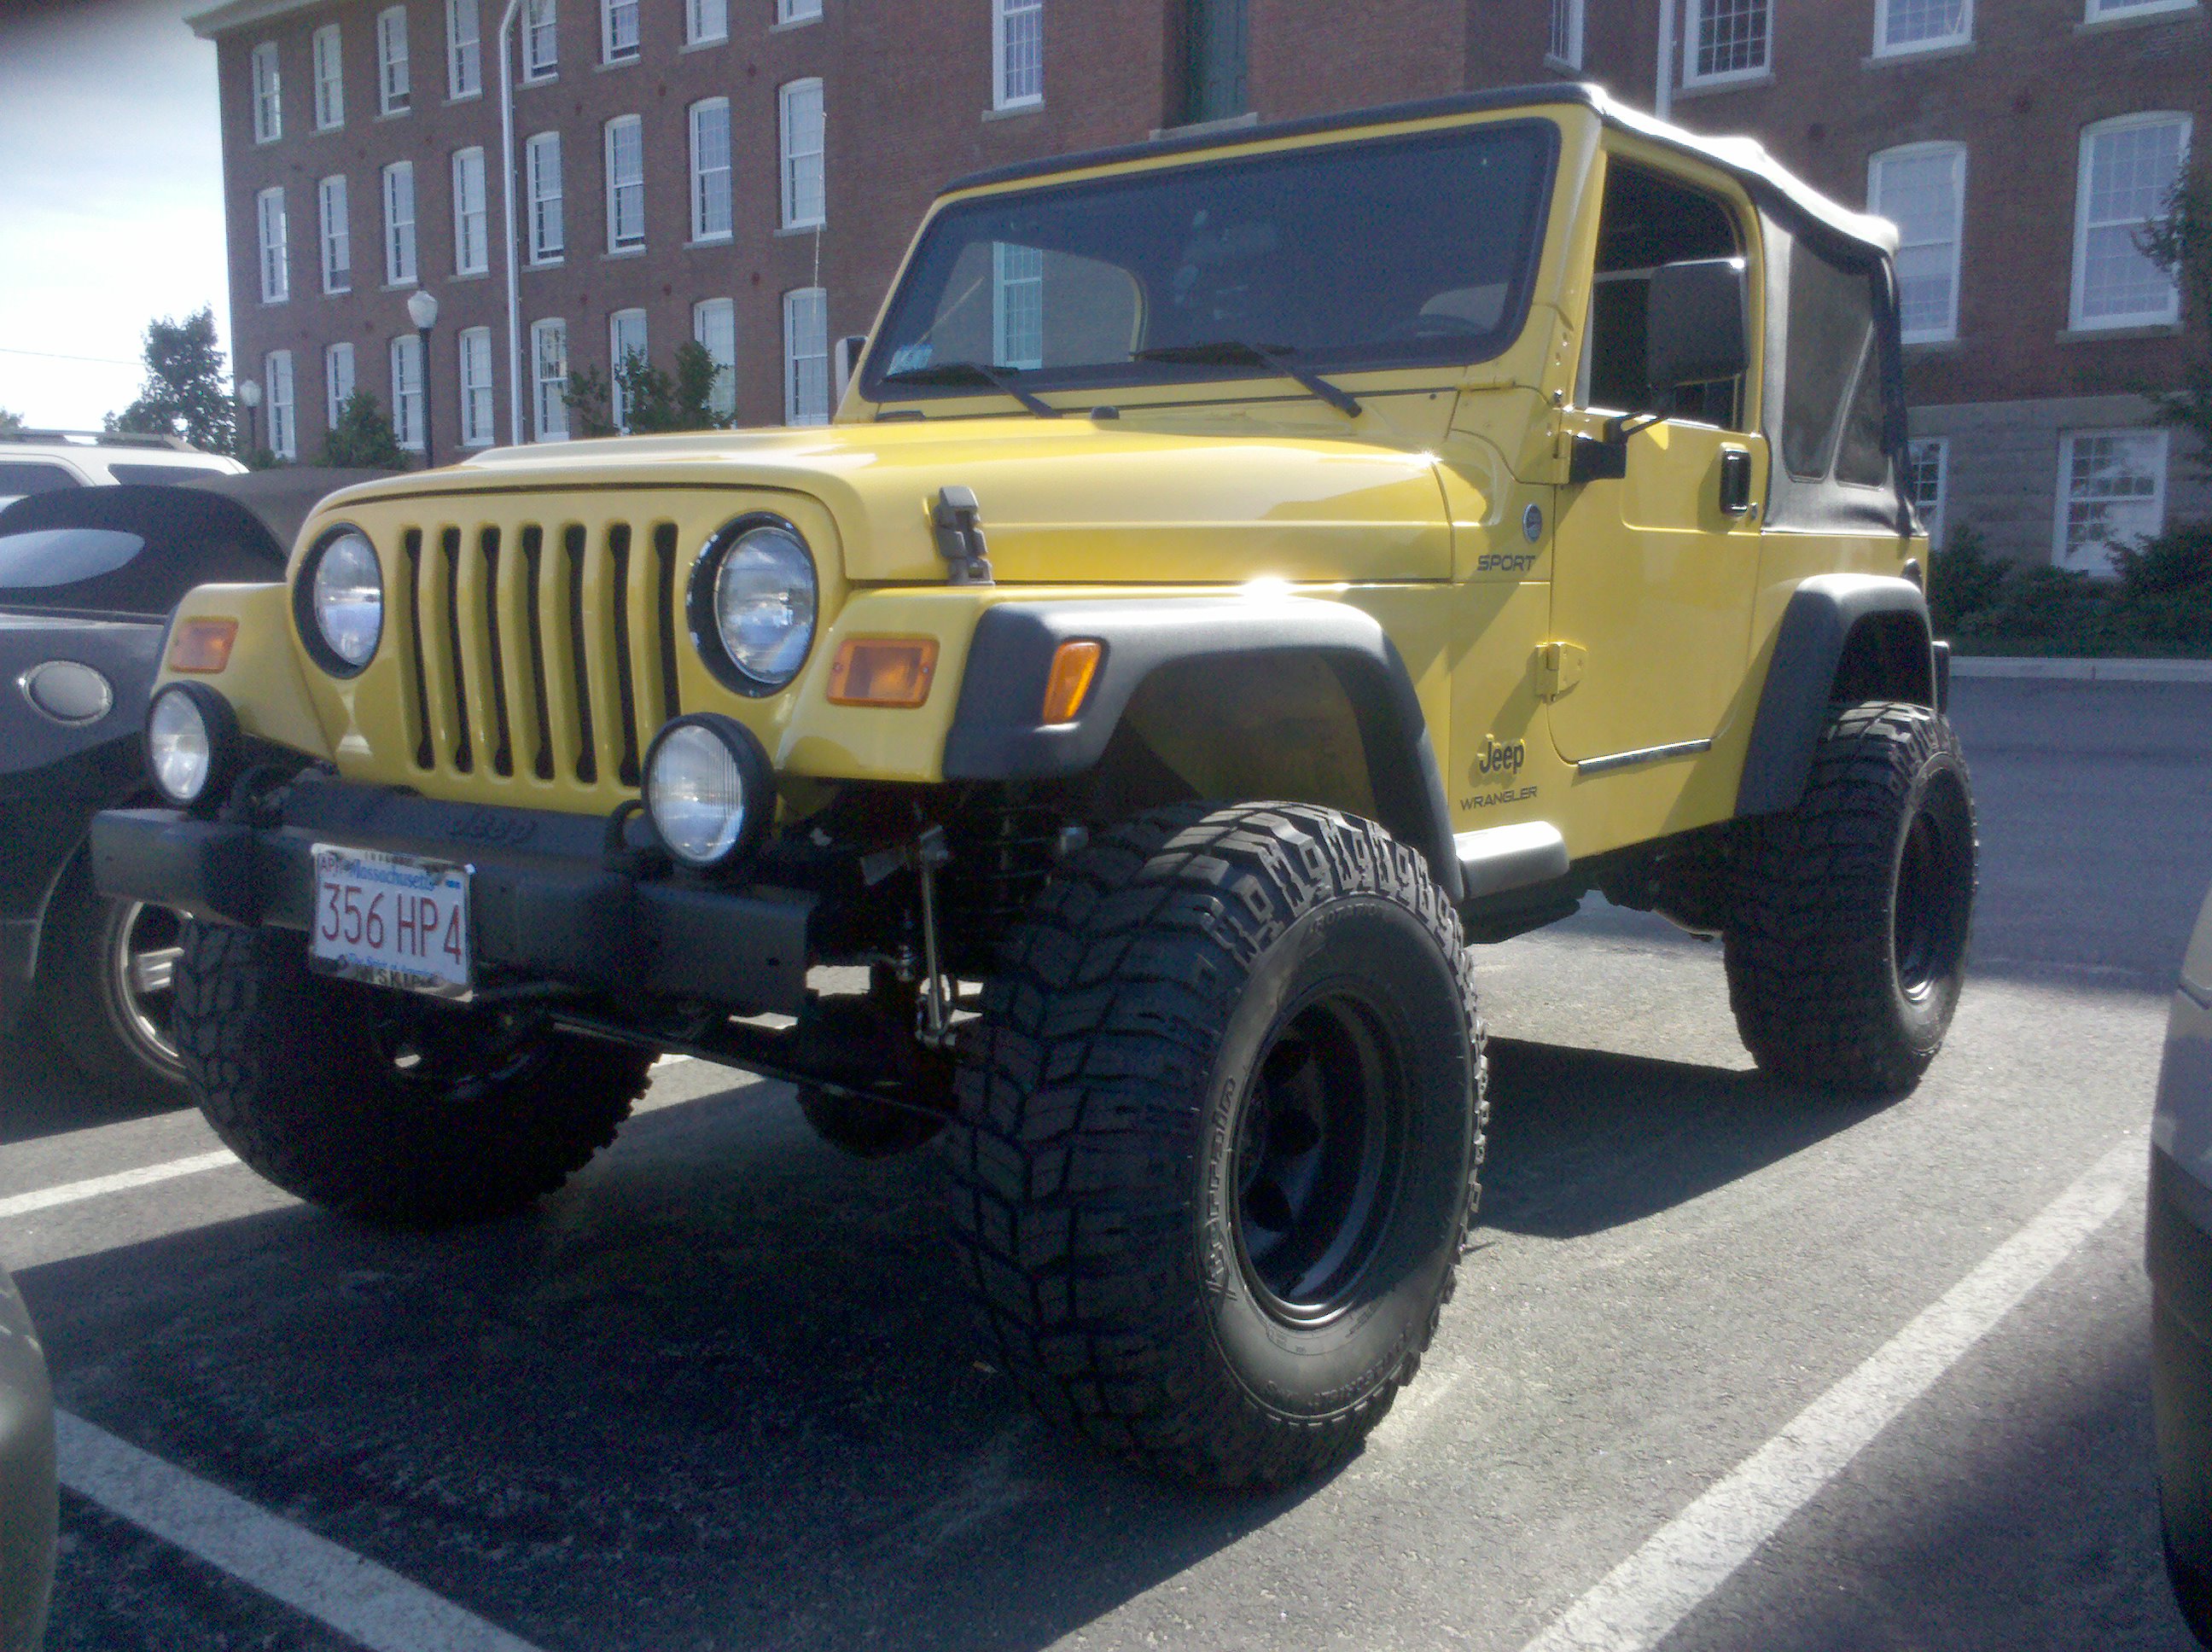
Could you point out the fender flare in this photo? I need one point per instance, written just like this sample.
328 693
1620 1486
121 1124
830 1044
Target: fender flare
1816 629
996 734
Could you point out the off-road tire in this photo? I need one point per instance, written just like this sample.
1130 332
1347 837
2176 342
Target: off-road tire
288 1067
83 1000
1849 914
1101 1131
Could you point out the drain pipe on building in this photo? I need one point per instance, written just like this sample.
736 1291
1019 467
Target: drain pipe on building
506 197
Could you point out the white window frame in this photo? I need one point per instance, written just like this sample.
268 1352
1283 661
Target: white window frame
327 53
1563 49
2060 538
334 210
338 382
394 91
547 206
618 351
622 189
705 316
541 41
612 49
1693 21
471 219
406 359
268 94
1004 14
1885 47
797 11
1909 152
401 268
2171 311
276 254
711 219
473 348
1931 514
801 164
706 22
549 379
1002 287
2106 11
464 49
283 426
796 303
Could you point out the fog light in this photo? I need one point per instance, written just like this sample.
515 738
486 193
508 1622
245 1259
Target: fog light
191 742
709 789
883 672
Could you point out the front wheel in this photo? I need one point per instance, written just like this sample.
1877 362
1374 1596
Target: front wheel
106 969
1218 1136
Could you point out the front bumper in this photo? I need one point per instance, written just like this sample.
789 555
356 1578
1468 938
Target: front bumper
2180 1262
548 902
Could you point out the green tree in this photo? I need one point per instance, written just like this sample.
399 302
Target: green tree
185 393
364 438
2180 242
654 400
10 421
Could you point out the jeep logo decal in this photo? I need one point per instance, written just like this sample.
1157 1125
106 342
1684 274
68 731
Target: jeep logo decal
1503 761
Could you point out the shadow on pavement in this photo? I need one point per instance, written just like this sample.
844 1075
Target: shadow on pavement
42 1095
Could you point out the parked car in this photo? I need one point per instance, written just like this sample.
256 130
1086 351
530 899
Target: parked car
47 461
2180 1261
1245 568
87 578
27 1495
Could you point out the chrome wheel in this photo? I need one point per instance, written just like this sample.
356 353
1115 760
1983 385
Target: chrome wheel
142 966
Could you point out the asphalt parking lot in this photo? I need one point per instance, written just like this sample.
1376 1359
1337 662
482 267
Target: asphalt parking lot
717 1394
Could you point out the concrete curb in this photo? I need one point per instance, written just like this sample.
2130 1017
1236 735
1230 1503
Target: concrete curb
2083 671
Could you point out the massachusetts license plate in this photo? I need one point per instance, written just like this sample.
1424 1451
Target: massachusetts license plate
392 920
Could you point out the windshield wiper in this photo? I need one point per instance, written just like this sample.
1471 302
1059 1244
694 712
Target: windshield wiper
1223 351
975 373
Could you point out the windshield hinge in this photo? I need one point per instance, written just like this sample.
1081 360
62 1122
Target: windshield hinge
959 523
1558 667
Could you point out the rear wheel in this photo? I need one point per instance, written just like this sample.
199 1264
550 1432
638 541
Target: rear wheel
105 974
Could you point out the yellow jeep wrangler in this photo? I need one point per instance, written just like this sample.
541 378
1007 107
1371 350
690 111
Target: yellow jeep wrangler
1244 570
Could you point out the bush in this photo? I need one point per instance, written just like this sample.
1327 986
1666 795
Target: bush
2160 603
1962 580
363 439
654 401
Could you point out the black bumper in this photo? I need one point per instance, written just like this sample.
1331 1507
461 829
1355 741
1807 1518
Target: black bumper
544 904
2180 1260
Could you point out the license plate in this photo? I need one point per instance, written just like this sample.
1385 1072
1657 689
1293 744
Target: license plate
392 920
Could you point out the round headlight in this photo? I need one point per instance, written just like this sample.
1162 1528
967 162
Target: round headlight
709 789
762 603
346 599
191 742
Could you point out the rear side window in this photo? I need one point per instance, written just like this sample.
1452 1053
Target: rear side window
1832 388
162 476
20 477
46 557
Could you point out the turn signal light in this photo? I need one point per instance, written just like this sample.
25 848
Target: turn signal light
883 672
201 647
1074 665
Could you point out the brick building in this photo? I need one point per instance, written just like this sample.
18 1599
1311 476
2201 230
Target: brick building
747 173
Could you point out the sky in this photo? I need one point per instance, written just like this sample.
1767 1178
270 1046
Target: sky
111 197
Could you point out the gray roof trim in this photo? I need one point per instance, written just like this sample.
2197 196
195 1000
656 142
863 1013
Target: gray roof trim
1745 158
210 21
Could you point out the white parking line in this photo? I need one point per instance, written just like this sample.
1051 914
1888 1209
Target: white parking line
69 1192
358 1598
1638 1603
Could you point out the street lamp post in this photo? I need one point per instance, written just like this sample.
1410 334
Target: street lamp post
249 398
423 311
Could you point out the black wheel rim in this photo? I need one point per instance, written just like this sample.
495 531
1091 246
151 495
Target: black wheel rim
1928 928
1317 1151
141 972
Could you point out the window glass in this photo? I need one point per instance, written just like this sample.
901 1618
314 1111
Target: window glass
391 59
1565 45
476 387
22 477
268 101
1727 38
161 476
1018 50
710 169
540 41
1927 459
464 48
276 263
276 374
618 29
337 235
625 182
2111 492
705 21
330 79
1921 191
1830 332
2127 172
625 340
806 356
548 367
714 324
1648 220
1215 54
1863 456
797 11
1918 25
44 557
471 235
802 143
547 234
338 382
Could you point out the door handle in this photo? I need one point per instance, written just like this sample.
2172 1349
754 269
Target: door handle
1735 480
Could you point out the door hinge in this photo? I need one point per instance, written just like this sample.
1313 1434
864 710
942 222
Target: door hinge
1558 667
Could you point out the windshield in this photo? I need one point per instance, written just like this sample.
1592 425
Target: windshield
1390 253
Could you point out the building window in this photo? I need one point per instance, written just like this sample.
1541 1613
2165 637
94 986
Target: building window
400 224
618 31
705 22
806 356
625 343
1566 44
549 375
710 170
337 384
1016 53
2100 9
1920 188
391 59
1017 305
798 11
801 133
1214 57
1729 40
1928 461
284 417
464 49
541 163
625 182
275 266
714 324
541 41
330 79
476 387
268 95
472 237
407 391
337 235
1902 26
2127 172
2111 492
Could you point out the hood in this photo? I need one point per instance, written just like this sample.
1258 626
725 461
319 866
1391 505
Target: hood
1070 501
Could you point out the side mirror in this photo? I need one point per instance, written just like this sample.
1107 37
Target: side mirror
1696 329
845 356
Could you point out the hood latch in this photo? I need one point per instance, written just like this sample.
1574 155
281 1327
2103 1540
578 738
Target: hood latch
959 520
